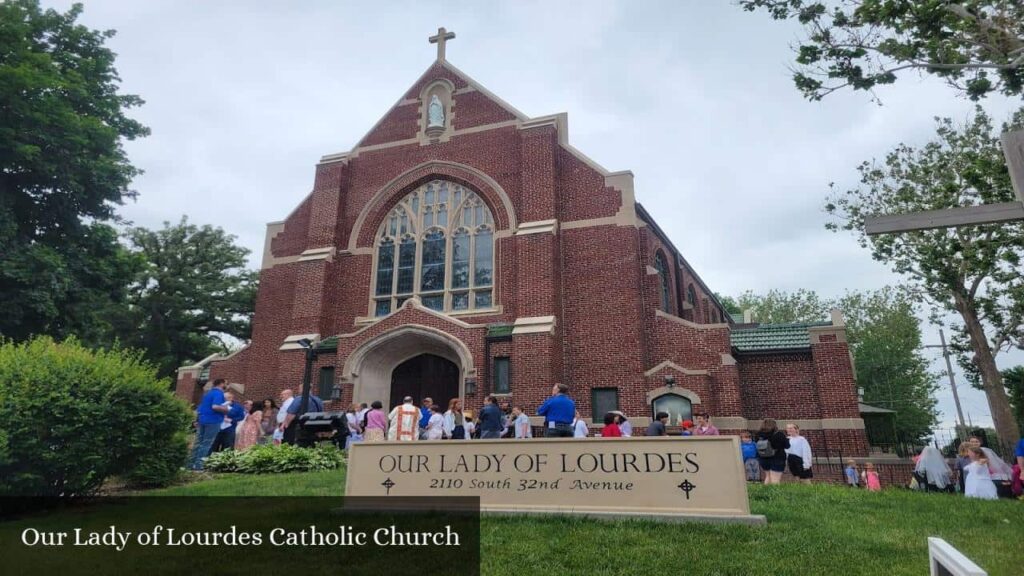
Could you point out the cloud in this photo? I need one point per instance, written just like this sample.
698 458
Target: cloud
694 97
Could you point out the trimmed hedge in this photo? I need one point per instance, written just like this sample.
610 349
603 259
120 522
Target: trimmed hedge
267 459
71 417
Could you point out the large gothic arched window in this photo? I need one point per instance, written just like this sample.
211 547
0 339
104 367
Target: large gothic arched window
438 244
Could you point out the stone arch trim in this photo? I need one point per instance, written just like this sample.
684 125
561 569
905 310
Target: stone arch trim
384 199
369 367
684 392
462 354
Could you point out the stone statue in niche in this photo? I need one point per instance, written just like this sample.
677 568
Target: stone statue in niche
435 113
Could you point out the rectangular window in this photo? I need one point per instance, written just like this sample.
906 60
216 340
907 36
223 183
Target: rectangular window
502 383
434 302
460 260
483 260
482 299
460 301
433 262
326 385
385 269
603 401
406 266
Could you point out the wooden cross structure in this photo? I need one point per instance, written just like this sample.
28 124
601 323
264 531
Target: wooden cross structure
1013 149
442 37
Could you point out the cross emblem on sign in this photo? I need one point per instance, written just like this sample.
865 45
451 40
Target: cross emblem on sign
686 486
442 37
388 485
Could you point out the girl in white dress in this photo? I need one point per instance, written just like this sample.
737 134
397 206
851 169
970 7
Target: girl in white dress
979 481
435 426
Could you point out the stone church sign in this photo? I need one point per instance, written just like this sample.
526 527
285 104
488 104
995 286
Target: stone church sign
664 478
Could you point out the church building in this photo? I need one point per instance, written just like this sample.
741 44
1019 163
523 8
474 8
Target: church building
463 249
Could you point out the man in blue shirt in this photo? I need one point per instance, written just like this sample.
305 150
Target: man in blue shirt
558 411
210 415
425 414
492 420
236 413
291 420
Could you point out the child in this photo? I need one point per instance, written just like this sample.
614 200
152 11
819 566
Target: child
749 451
852 478
979 481
687 426
870 478
435 425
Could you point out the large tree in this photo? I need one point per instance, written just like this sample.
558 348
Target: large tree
781 307
976 46
973 271
1013 378
62 172
884 333
191 297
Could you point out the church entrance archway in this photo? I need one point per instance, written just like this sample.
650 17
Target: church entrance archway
411 360
425 376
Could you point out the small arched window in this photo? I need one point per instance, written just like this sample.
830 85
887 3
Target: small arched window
444 235
664 282
691 296
678 407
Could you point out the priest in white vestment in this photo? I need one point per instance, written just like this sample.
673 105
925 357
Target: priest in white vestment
404 420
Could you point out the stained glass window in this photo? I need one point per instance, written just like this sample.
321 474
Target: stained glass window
436 243
664 290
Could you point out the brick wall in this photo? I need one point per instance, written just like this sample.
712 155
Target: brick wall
594 280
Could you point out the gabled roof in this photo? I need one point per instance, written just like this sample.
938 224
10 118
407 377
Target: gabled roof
431 71
869 409
774 337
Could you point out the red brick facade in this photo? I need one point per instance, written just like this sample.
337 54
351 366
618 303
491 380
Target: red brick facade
574 283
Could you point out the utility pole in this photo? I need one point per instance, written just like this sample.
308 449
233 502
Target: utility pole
952 381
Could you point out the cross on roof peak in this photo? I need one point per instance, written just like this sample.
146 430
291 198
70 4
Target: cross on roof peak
440 39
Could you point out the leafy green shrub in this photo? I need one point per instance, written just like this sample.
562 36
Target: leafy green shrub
72 417
156 469
267 459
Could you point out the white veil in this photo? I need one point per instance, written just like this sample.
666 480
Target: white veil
999 469
933 466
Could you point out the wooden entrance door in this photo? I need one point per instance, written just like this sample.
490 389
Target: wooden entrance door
425 375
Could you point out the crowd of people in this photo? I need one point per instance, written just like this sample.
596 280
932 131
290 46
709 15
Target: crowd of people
976 471
223 424
497 419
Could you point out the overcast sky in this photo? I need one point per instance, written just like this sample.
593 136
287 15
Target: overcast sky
695 97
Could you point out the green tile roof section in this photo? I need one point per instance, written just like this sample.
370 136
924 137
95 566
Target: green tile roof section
329 343
772 337
499 330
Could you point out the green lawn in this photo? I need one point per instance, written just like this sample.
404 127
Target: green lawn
811 530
